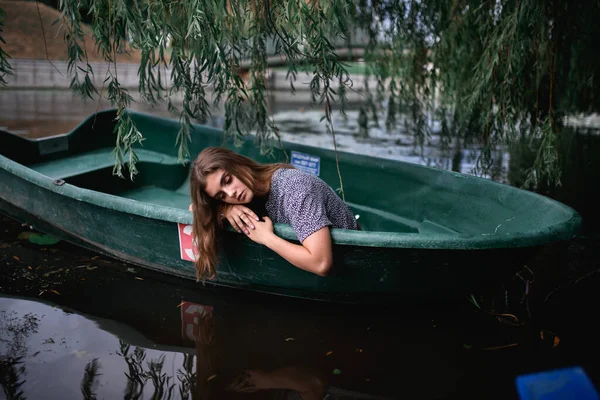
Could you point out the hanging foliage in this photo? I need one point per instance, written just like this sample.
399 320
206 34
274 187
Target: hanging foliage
5 68
493 72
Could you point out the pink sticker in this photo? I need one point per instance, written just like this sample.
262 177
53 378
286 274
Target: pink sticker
186 243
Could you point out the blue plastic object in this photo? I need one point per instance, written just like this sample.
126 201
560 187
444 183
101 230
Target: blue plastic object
563 384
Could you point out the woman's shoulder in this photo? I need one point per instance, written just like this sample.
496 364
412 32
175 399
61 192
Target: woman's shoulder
292 177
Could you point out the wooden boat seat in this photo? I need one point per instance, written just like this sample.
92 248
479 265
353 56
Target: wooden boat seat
79 164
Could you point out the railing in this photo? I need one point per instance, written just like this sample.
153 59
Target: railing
41 74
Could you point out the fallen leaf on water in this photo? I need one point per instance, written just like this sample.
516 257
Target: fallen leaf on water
54 272
289 339
329 353
509 319
210 378
43 239
337 372
24 235
544 334
556 341
180 304
30 267
501 347
139 279
16 258
55 291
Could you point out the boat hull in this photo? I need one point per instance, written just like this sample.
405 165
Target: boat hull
360 274
426 232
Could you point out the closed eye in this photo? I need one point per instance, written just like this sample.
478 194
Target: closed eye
225 180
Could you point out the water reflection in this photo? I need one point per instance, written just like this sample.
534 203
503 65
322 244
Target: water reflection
12 376
14 332
88 326
90 381
288 381
199 369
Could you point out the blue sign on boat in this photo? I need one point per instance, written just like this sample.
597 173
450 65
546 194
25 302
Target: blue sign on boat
306 162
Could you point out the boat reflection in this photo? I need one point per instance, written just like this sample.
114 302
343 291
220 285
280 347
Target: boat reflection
293 382
200 362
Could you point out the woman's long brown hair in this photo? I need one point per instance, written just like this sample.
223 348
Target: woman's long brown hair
207 210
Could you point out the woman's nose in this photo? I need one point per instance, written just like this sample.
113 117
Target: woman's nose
230 192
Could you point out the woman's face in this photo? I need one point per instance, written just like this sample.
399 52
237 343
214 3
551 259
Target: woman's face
223 186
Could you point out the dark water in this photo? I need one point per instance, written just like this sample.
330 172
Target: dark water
73 322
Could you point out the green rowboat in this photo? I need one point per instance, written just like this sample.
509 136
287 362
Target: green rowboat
424 231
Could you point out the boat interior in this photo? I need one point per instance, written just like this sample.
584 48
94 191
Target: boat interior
385 195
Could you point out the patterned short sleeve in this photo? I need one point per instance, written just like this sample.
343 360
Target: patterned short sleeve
306 210
307 203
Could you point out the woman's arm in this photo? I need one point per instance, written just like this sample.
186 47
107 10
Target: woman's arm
314 255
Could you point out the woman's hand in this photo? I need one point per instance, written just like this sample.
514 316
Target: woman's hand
241 218
262 232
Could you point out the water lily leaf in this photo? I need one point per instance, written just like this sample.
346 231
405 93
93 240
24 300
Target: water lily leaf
43 240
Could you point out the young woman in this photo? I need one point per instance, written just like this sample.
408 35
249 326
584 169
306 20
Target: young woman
222 182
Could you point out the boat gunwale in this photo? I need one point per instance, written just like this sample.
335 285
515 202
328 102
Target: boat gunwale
563 230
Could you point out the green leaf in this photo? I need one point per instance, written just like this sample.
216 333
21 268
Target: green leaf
43 239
